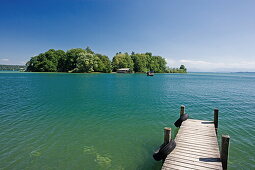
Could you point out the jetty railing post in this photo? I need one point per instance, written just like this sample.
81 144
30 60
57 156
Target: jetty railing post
182 111
216 114
224 151
167 135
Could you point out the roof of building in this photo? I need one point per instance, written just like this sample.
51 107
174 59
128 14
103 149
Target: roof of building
123 69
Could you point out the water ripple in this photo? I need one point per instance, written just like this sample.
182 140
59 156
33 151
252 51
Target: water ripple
115 121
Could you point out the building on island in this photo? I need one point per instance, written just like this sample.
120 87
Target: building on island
124 70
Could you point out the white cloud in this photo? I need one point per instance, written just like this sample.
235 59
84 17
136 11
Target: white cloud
4 59
195 62
202 65
219 66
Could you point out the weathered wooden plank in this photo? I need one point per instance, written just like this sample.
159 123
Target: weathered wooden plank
201 130
197 123
206 148
187 137
196 143
205 131
202 138
192 151
205 155
196 163
191 130
197 120
205 128
197 136
197 153
212 134
199 139
198 128
196 150
200 143
197 158
176 167
196 147
183 164
191 141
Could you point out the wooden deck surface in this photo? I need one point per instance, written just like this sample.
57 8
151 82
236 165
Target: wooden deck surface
196 147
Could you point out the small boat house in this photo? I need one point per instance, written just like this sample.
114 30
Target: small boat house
124 70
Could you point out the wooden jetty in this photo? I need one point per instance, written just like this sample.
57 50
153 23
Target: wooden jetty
197 146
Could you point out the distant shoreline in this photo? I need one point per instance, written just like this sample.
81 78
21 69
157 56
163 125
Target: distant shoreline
10 71
123 73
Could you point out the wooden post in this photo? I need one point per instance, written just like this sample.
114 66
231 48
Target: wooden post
182 111
224 151
216 114
167 135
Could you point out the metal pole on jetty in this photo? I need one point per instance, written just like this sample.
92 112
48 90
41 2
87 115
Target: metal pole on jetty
167 135
224 151
216 114
182 111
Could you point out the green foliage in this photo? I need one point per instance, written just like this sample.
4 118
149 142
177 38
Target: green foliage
85 63
71 58
74 60
45 62
157 64
122 61
182 69
103 64
147 62
141 62
85 60
61 61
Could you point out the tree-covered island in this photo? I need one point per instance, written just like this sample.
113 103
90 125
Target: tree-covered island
80 60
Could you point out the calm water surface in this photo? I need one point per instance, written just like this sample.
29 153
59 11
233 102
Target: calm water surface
115 121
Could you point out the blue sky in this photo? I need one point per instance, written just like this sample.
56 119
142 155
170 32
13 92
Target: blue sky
204 35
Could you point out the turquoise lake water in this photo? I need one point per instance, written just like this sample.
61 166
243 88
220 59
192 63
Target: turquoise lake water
116 121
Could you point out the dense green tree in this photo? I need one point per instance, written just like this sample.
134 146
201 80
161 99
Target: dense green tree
61 61
72 56
85 63
103 64
149 54
156 64
140 62
45 62
32 64
183 68
122 61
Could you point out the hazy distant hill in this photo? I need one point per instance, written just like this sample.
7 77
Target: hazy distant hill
12 67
